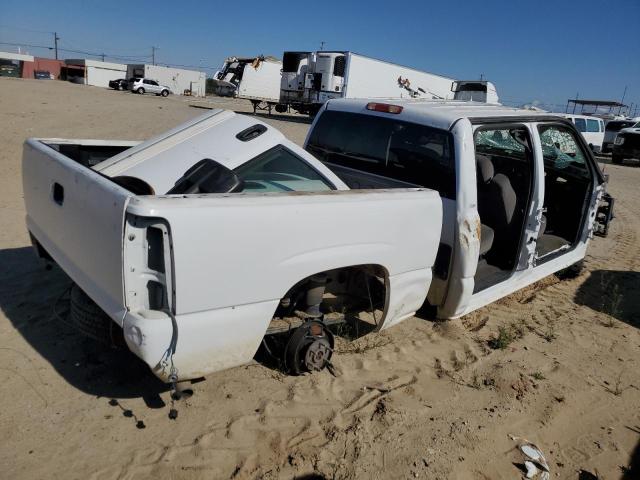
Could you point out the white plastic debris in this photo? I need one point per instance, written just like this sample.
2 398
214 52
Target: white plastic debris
535 463
532 470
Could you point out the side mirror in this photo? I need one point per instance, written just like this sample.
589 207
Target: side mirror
207 176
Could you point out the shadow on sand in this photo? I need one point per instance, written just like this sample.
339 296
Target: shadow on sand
632 472
28 294
612 292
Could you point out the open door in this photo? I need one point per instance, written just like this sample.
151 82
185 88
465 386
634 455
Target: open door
569 193
505 172
496 195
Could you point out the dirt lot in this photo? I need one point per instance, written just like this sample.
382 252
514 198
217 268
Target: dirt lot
424 400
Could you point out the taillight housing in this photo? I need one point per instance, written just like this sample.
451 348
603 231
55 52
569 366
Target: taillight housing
384 107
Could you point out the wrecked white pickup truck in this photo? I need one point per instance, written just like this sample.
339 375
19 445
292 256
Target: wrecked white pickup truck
192 242
201 241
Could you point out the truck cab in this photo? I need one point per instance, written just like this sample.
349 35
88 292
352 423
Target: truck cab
520 190
475 91
626 144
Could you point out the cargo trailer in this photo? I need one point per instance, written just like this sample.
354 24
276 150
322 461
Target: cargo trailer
256 79
309 79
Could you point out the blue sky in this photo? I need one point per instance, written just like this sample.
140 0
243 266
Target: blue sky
545 51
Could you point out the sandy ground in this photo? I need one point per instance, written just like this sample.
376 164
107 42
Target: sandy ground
424 400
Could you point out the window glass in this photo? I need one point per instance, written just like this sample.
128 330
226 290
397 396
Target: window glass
507 142
291 61
388 147
280 170
581 125
561 150
616 126
593 126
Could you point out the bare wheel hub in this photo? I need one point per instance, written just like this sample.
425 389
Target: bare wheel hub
318 354
309 348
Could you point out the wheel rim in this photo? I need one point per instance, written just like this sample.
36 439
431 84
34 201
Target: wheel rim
309 349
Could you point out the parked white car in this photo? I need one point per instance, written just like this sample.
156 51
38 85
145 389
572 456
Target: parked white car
146 85
200 242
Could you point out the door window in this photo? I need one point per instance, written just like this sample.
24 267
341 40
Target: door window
593 125
280 170
581 125
561 150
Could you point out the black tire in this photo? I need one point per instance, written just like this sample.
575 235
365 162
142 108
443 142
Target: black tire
616 159
89 319
140 90
572 271
164 93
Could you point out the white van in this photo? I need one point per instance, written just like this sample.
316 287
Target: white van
591 128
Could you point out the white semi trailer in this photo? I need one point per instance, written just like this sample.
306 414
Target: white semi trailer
309 79
256 79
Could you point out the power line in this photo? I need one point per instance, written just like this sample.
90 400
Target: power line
25 45
81 52
201 67
11 27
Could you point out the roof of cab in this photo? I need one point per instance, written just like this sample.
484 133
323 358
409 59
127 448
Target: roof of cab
438 113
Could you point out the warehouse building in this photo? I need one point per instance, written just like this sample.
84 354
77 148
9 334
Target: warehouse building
93 72
12 64
178 80
43 65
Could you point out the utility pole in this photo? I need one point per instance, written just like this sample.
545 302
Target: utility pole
55 42
153 55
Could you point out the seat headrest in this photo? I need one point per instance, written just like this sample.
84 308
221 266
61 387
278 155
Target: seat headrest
486 171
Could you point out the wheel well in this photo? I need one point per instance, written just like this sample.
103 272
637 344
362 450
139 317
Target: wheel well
348 289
